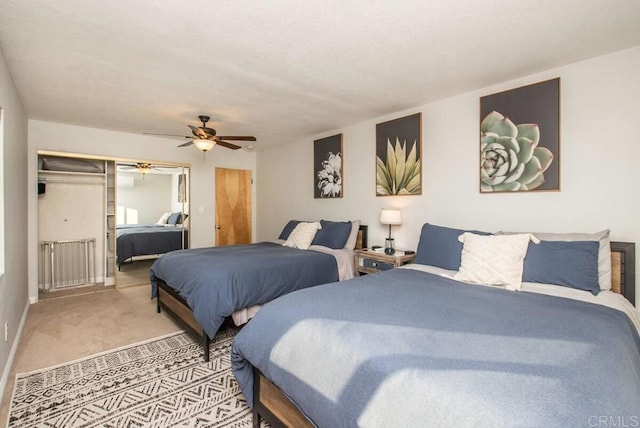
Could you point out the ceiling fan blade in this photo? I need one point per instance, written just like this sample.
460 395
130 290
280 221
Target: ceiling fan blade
227 145
198 132
188 143
166 135
237 138
210 132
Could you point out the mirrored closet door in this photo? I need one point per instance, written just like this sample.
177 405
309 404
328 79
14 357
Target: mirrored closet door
151 216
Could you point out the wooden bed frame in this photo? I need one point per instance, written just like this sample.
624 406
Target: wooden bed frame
272 405
175 305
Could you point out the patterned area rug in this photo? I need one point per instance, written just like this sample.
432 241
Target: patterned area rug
163 382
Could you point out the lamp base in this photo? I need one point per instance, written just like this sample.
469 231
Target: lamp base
388 247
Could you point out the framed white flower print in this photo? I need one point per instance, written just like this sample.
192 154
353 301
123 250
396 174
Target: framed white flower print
328 167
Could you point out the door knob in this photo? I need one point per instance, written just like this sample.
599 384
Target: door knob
218 227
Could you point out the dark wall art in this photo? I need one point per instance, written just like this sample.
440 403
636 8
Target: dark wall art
399 156
520 139
182 188
327 167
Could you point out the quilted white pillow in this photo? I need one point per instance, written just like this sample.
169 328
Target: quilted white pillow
493 259
302 236
163 219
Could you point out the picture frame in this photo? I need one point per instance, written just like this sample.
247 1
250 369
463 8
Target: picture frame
520 139
399 156
328 172
182 187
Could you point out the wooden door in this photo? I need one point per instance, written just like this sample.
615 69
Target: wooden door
233 206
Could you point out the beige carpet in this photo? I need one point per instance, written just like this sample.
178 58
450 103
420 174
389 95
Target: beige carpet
69 328
134 273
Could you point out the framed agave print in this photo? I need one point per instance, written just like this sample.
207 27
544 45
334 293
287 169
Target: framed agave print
399 156
327 167
520 139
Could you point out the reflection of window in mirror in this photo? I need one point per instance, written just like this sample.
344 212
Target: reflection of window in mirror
131 216
120 214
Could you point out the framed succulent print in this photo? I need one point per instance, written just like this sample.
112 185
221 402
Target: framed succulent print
399 156
327 167
520 139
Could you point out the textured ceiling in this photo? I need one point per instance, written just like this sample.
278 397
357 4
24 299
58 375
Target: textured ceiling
285 69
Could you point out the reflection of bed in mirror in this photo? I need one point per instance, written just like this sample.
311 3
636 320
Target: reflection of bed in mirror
151 204
149 239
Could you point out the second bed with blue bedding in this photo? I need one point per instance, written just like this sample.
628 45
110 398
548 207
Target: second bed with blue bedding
217 281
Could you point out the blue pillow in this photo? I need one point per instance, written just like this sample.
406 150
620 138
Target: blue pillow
571 264
439 246
288 228
334 234
174 218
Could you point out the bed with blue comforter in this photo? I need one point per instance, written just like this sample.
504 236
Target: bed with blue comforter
407 348
217 281
148 239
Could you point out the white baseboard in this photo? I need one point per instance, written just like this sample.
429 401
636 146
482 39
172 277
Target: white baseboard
14 348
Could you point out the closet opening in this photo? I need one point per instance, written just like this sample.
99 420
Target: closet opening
101 223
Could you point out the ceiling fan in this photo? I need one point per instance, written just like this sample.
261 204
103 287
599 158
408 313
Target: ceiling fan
142 167
205 138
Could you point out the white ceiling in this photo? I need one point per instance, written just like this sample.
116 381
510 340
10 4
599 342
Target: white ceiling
283 70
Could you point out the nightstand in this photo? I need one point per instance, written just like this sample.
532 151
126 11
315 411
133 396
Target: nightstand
369 261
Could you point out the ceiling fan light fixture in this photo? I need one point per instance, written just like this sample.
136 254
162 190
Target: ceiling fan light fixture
204 145
143 168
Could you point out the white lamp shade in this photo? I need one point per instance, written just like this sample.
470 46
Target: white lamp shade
204 145
390 216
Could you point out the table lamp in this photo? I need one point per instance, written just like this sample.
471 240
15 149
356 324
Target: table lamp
390 217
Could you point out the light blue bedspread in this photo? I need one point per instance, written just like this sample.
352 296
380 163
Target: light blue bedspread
406 348
217 281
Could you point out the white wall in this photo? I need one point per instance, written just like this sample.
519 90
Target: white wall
76 139
150 195
13 290
599 165
73 208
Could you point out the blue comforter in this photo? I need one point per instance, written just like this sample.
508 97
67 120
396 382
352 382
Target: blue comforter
217 281
408 348
148 239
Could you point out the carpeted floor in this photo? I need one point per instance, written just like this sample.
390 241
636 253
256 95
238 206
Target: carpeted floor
162 382
65 329
134 273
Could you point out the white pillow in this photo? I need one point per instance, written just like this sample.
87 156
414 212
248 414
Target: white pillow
604 250
353 237
493 259
302 236
163 218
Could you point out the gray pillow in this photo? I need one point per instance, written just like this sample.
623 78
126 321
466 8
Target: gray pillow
288 228
604 250
439 246
334 234
571 264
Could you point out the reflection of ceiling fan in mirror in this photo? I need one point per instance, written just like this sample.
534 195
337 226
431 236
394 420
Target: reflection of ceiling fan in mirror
206 138
141 167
